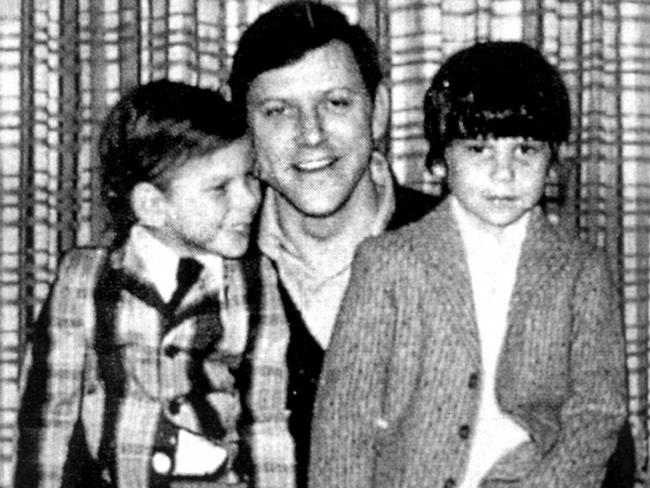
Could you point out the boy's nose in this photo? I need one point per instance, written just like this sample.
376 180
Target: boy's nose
248 197
503 167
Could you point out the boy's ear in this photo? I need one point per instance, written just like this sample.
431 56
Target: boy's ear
381 108
149 205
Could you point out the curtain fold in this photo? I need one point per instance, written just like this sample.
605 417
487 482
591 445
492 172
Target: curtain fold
64 62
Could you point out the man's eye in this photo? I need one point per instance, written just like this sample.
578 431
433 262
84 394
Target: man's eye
272 111
339 103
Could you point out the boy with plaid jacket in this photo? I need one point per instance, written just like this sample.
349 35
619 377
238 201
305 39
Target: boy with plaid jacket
130 378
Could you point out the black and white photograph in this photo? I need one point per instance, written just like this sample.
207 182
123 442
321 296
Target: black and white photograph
324 243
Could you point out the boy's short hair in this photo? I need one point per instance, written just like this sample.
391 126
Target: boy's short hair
290 30
152 130
498 89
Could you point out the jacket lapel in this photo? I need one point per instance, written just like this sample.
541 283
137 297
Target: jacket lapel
543 256
129 273
450 279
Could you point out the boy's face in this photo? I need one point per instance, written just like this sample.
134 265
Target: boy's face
497 181
210 203
313 122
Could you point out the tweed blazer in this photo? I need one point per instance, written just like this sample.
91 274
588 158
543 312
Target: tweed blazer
265 377
103 370
400 389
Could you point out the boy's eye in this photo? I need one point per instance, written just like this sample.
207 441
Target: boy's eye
530 148
476 147
256 171
218 189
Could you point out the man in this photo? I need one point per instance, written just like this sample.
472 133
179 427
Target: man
311 87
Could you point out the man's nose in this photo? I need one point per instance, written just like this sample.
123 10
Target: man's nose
311 126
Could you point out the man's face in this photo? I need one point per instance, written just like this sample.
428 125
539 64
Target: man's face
210 203
313 122
499 180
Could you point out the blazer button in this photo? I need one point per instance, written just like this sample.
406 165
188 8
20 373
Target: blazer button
171 350
472 383
449 483
174 406
463 431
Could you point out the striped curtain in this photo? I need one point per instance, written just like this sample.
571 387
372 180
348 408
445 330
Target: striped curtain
64 62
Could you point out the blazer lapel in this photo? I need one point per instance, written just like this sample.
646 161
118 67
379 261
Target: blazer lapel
451 280
543 255
201 298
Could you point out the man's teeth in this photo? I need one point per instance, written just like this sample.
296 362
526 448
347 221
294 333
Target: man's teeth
315 164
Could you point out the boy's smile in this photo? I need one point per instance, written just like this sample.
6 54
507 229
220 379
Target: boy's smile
211 201
497 180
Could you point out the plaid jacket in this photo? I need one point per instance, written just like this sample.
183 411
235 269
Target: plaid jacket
100 360
272 456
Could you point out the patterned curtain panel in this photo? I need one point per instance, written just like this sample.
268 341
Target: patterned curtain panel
12 301
64 62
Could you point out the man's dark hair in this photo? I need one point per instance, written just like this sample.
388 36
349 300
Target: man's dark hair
290 30
498 89
152 130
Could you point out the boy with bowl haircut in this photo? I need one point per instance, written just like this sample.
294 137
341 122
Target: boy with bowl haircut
130 382
481 346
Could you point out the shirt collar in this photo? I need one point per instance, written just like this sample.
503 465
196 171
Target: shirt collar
156 263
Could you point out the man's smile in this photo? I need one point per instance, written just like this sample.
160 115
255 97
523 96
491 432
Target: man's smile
313 165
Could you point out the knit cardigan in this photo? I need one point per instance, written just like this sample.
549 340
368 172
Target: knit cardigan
401 382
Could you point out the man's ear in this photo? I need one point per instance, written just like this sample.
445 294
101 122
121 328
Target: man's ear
149 205
380 112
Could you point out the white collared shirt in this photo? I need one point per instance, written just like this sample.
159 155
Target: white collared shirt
158 262
316 294
493 267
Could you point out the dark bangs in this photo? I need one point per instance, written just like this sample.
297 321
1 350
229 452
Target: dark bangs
495 89
471 121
